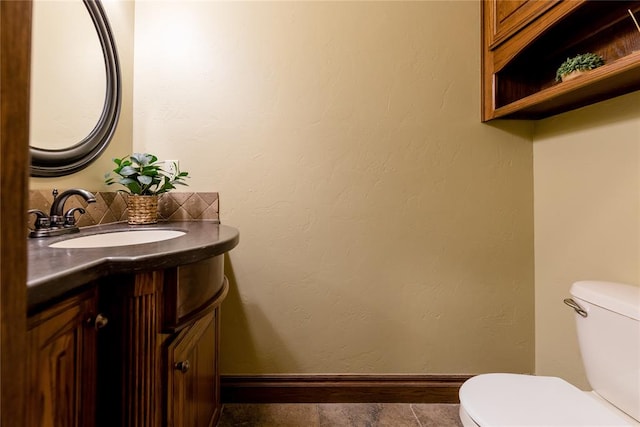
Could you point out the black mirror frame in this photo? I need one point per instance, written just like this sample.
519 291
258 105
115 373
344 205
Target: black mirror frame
53 163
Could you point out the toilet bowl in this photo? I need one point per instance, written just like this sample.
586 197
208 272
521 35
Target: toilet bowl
511 400
608 321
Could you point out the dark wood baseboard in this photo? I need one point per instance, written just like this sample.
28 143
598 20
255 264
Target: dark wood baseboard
341 388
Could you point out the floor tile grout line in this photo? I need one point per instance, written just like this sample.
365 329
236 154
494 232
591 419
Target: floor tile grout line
414 415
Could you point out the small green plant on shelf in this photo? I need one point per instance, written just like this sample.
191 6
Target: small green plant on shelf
143 175
582 62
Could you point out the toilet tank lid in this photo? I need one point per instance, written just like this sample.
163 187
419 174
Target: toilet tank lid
617 297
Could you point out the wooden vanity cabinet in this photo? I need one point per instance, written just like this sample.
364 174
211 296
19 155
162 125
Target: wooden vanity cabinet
62 363
155 364
525 41
159 357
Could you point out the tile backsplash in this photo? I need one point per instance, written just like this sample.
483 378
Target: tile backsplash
111 206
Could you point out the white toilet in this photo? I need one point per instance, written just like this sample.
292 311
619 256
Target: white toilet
608 324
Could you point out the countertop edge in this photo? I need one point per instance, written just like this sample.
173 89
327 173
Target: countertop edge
58 272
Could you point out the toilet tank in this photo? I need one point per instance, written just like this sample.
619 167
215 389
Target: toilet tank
609 338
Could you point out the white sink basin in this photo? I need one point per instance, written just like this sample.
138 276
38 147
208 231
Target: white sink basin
117 238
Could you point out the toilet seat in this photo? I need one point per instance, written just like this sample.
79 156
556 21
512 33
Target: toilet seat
510 400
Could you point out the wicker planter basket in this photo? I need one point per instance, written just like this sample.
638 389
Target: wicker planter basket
572 75
142 209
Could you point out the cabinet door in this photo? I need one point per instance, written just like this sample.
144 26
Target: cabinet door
193 397
509 16
61 364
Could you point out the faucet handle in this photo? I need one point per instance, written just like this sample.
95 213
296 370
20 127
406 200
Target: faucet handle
42 220
69 217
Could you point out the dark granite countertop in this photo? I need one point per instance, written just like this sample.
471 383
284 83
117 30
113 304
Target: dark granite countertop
54 272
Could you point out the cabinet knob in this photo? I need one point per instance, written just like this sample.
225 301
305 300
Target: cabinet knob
183 366
98 322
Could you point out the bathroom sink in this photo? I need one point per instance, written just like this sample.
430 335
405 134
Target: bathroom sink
117 238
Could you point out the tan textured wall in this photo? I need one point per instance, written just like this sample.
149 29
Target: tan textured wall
587 218
121 18
384 229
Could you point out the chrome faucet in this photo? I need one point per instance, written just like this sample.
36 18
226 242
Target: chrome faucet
58 222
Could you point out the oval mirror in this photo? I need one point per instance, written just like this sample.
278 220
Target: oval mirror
75 102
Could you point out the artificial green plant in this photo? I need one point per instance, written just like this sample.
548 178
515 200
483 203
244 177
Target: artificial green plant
582 62
142 174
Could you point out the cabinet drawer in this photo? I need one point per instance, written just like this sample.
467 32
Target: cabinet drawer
190 290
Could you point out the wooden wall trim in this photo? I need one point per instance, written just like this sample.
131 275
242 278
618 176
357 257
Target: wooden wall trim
15 48
341 388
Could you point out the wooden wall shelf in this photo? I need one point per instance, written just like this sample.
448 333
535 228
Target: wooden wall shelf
608 81
518 79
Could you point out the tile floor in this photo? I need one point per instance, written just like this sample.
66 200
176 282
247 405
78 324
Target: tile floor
340 414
